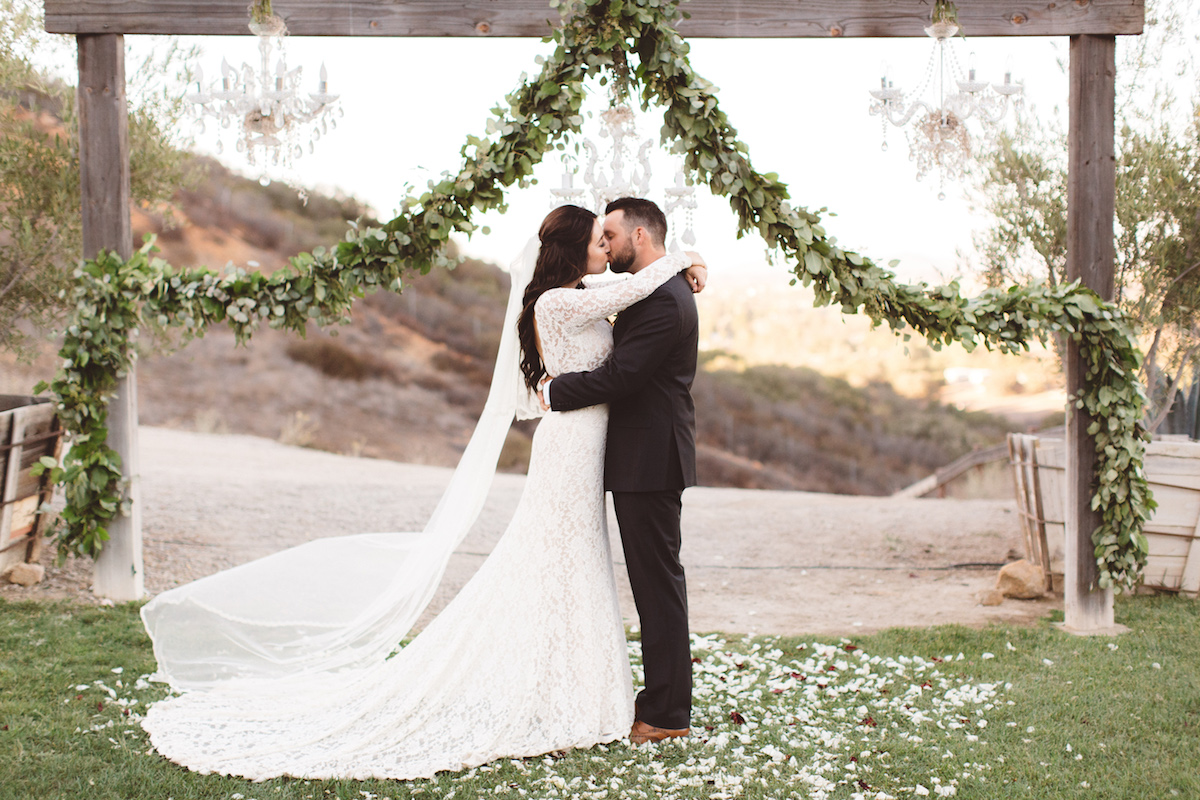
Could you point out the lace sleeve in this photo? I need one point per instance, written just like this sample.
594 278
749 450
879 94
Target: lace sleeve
573 309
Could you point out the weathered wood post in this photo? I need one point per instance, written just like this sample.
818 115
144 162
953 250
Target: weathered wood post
1091 196
104 177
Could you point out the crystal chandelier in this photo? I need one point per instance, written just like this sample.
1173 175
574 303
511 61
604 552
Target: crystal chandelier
627 174
265 109
938 137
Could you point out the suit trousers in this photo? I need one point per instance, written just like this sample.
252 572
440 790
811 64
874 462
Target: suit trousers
649 523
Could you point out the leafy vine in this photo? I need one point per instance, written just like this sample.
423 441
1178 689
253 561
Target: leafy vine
944 11
114 297
260 11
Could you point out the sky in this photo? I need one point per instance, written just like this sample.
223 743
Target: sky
801 105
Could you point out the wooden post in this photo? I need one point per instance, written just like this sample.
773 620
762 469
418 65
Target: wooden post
1091 195
104 171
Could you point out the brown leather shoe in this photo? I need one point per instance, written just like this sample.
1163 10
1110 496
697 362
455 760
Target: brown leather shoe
643 732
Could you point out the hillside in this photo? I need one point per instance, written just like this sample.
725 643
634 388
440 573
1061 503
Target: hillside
407 377
817 433
761 320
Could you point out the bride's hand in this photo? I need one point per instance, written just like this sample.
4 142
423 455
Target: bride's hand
697 273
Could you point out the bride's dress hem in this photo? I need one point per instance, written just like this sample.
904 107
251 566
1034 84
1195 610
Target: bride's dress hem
387 775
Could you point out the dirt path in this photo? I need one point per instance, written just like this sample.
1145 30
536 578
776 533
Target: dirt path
757 561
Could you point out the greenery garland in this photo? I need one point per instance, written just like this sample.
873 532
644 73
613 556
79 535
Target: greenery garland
113 297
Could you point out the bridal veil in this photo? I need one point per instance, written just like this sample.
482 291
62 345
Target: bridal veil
344 602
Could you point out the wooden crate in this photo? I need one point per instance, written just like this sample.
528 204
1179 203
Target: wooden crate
29 429
1173 530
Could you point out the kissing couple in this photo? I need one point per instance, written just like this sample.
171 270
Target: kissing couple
279 675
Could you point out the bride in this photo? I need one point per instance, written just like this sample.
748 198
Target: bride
279 677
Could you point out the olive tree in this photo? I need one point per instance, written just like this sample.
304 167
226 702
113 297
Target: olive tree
40 236
1022 182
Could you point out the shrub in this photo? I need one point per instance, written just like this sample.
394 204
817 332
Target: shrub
336 360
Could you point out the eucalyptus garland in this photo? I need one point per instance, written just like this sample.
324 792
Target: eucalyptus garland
260 11
113 298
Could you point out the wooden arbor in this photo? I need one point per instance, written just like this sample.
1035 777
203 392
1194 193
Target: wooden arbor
1092 25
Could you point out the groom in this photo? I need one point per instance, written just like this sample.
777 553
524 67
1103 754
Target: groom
650 457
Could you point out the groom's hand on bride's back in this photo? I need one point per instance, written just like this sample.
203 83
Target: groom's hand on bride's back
543 393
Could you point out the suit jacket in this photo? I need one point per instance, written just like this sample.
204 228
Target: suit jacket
647 383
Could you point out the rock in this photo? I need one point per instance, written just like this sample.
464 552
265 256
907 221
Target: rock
25 574
1022 580
993 597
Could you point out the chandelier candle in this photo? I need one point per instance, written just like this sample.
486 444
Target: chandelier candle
938 138
265 108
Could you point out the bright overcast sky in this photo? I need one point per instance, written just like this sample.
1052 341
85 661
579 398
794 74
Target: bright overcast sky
800 105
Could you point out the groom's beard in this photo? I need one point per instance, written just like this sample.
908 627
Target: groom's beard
621 260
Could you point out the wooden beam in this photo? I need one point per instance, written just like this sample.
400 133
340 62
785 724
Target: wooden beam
1091 195
104 171
709 18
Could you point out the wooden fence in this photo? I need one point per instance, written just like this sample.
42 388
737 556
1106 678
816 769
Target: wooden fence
1173 530
29 430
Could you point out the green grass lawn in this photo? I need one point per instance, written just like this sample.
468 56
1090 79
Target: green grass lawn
949 711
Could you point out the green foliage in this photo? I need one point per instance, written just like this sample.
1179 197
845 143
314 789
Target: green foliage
944 11
40 228
260 10
112 298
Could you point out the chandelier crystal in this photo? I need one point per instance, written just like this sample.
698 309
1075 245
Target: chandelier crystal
621 171
265 109
939 108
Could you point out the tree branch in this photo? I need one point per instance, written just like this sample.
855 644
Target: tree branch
1148 366
21 269
1167 406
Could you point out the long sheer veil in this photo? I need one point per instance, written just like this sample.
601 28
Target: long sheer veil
345 602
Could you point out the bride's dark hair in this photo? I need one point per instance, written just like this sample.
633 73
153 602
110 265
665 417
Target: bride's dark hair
565 234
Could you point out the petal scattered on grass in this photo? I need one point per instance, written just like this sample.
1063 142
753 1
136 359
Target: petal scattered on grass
812 720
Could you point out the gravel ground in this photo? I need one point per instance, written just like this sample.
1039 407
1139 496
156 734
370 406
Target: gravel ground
757 561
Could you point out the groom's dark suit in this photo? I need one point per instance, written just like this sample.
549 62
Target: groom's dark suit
650 458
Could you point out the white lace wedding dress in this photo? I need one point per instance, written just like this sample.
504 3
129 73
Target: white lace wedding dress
528 658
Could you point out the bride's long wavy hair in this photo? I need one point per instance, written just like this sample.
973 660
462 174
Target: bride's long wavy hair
562 259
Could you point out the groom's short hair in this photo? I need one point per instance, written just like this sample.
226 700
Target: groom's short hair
639 211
